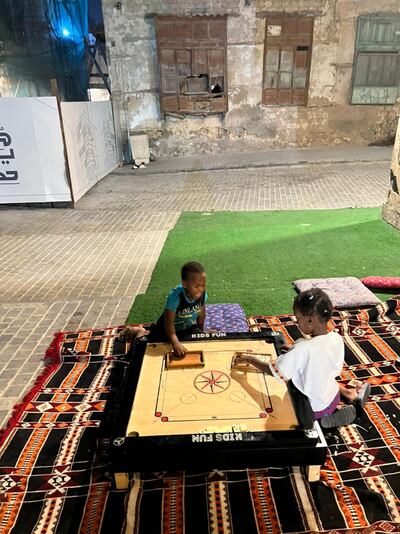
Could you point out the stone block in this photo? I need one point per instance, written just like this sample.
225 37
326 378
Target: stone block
391 210
140 148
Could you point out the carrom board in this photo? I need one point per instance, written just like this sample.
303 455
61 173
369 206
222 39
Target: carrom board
214 398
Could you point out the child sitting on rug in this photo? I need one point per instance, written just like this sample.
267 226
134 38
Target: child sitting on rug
184 311
313 364
132 332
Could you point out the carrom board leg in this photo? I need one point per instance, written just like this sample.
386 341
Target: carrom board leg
313 473
121 480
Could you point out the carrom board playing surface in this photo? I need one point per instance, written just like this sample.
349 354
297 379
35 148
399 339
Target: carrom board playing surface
213 398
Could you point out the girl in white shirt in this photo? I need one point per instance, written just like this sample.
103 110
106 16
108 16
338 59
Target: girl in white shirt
314 363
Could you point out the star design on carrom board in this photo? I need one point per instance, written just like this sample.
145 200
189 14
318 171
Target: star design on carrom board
212 382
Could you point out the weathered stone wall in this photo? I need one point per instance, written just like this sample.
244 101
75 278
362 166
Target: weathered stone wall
391 208
327 119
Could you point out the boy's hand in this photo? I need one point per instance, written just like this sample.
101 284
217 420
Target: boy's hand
179 349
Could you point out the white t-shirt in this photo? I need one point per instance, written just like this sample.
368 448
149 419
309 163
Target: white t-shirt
312 365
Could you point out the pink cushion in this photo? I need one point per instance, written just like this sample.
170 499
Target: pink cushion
381 281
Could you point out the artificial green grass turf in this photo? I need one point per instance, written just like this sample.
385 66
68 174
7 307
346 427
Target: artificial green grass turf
251 258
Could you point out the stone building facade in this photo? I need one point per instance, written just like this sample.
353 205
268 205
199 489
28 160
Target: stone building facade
391 208
305 73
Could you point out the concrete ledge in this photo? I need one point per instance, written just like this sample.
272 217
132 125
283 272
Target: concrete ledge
266 158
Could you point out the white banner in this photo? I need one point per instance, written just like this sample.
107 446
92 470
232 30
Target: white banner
32 167
100 115
80 147
90 139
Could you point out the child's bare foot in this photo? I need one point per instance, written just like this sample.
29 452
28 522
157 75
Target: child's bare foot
357 395
349 395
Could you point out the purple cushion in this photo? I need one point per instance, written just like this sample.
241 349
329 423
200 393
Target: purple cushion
225 318
347 292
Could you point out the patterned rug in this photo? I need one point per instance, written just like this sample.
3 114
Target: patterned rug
52 482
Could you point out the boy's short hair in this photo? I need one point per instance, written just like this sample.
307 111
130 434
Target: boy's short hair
191 267
314 301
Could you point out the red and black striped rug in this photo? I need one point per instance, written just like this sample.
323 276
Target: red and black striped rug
51 480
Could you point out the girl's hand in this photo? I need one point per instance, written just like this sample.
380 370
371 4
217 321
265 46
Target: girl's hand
243 358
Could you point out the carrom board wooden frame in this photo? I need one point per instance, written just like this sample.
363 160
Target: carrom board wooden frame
215 397
223 445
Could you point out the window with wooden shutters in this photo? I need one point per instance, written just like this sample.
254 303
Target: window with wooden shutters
192 56
376 69
287 60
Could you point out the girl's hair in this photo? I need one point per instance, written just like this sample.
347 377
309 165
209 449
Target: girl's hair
314 301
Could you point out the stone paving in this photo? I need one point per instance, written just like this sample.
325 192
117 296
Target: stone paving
71 269
321 186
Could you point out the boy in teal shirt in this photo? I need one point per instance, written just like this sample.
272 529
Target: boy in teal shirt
184 311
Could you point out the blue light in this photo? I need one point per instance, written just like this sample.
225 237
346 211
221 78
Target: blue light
65 32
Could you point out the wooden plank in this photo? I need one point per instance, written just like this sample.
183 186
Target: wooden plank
191 359
287 60
200 30
169 103
191 46
183 30
219 104
217 29
199 61
165 30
